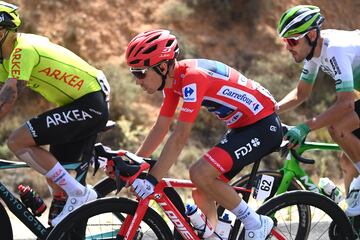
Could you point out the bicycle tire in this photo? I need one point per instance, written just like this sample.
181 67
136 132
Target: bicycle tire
112 206
294 185
6 229
280 205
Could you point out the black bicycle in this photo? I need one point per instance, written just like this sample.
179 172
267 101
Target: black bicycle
89 157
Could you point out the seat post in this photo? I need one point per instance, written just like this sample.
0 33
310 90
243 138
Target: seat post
250 183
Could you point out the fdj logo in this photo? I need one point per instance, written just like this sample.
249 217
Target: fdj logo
247 148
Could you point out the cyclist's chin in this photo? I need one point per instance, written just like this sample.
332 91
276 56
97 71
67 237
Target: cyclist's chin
297 58
149 91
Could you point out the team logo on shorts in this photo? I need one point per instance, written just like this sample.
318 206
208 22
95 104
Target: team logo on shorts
61 118
31 129
241 152
189 93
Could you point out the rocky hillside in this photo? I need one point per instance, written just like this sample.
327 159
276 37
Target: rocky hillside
242 33
99 30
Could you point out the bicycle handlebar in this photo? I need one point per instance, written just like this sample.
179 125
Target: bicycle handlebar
284 150
300 158
126 171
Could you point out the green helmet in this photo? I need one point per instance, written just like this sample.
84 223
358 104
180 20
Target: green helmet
9 17
299 19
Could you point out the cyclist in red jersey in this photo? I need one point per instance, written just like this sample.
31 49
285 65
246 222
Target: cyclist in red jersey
245 106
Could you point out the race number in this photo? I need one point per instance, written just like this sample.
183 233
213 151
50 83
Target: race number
263 187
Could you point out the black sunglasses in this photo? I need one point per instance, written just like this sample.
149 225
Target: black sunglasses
139 73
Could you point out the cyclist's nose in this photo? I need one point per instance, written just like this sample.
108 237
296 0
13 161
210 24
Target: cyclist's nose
288 47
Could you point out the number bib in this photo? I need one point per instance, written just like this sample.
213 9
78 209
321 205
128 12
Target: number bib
263 187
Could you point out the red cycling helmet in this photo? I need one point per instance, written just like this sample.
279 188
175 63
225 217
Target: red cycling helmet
151 48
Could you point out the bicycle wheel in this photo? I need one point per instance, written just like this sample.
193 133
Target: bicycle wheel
98 220
284 209
241 182
255 204
6 229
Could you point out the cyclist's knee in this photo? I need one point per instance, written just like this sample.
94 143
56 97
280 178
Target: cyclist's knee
12 143
20 139
202 173
334 132
195 173
339 134
346 163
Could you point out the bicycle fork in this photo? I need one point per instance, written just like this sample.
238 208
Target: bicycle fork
132 223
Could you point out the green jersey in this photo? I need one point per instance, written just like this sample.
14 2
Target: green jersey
56 73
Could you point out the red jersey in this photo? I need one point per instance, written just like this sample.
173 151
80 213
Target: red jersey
224 91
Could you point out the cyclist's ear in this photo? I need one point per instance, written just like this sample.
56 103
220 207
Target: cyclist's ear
163 67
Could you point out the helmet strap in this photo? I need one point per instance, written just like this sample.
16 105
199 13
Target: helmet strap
312 44
163 76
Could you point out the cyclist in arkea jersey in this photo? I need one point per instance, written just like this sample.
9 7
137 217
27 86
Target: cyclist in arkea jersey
245 106
79 90
336 53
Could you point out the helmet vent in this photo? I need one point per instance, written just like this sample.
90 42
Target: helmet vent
137 52
147 62
150 49
168 44
131 49
135 61
153 38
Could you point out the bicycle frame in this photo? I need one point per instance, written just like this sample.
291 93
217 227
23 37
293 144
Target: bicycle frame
131 223
19 209
292 168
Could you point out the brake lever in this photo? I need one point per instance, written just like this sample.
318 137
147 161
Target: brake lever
96 164
119 182
284 150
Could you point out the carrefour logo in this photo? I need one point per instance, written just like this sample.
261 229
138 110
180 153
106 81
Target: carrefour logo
189 93
247 99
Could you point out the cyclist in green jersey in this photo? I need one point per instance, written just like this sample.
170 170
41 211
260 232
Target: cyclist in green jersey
337 53
79 91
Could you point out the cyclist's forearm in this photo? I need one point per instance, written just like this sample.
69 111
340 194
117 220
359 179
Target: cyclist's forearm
171 150
151 142
290 101
167 158
333 115
155 137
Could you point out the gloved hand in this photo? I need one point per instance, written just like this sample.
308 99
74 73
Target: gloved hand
144 187
297 134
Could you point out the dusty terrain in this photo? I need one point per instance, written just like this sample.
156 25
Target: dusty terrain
99 30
